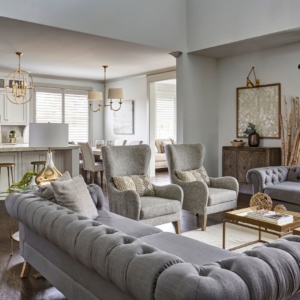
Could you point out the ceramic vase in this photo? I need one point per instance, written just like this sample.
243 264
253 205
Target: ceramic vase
253 140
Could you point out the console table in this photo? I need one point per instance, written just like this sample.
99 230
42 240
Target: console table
236 161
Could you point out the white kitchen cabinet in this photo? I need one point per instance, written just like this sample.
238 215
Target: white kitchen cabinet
28 157
12 114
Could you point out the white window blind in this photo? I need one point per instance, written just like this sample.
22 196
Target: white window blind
48 106
165 116
64 106
77 115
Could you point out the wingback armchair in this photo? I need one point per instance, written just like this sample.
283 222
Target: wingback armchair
199 198
162 208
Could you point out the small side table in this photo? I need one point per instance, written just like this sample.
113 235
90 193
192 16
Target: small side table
296 231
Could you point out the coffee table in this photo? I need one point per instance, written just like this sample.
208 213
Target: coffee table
239 218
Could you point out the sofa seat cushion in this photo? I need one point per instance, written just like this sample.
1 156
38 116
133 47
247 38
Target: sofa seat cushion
288 191
152 207
191 251
218 196
160 157
125 225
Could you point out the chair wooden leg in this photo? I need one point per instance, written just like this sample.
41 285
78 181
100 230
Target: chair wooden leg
92 177
177 225
101 176
25 270
203 222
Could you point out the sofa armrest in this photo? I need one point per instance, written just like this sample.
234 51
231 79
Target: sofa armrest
170 191
226 182
261 178
124 203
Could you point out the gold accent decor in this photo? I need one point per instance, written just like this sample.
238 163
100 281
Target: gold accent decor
250 84
260 202
17 90
113 93
49 172
280 209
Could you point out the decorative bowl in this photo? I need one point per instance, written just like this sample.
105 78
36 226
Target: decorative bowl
237 144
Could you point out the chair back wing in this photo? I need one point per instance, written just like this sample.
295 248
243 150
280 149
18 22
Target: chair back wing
87 156
125 160
184 157
120 142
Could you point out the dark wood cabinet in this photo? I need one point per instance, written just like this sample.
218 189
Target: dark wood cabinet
236 161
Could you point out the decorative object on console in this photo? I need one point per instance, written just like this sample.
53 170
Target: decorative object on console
290 134
113 93
260 202
26 182
250 84
12 136
280 209
48 135
17 88
261 106
237 143
253 136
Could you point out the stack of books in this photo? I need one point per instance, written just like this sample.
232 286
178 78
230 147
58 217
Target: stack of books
271 217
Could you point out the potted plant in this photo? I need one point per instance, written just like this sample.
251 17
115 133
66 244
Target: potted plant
253 136
12 134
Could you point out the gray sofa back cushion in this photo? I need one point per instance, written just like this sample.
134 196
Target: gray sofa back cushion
293 174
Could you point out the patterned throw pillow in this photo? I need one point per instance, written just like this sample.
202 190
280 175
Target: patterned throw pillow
194 175
139 183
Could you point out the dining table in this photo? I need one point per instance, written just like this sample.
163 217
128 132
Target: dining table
96 151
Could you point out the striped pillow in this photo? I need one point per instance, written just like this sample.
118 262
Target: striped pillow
194 175
138 183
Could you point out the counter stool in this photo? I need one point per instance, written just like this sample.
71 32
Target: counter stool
9 167
37 164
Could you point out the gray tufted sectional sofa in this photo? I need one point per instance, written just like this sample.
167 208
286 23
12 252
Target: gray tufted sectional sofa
115 258
280 183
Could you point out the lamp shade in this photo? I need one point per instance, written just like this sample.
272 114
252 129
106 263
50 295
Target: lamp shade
48 135
115 93
97 96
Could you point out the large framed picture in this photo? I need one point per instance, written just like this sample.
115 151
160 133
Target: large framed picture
123 119
260 106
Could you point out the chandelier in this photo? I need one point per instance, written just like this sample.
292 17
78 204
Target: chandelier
113 93
17 90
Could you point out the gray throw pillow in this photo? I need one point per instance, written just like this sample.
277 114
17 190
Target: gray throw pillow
74 195
47 189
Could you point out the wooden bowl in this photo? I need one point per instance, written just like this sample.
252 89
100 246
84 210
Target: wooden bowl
237 144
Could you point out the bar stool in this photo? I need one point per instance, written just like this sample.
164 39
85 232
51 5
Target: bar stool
9 167
37 164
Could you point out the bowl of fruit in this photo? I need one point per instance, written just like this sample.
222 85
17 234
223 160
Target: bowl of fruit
236 143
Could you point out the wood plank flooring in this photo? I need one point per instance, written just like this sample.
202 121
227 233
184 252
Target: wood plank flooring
12 287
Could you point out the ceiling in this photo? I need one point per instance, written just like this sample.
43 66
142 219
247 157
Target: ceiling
57 52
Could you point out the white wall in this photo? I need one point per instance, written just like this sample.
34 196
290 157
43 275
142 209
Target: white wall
277 65
158 23
96 130
216 22
134 89
197 113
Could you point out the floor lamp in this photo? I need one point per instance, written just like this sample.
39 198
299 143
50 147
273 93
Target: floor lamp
48 135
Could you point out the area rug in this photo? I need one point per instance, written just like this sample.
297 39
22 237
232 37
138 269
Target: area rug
235 236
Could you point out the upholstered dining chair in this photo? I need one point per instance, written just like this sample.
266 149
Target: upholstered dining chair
163 206
120 142
220 194
131 143
88 161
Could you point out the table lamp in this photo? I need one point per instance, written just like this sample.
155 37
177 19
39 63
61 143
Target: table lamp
48 135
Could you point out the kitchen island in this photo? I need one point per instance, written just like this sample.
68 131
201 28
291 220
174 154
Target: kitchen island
64 158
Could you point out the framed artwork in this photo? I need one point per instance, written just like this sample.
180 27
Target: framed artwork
123 119
260 106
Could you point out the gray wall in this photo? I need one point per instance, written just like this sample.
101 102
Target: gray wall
197 113
277 65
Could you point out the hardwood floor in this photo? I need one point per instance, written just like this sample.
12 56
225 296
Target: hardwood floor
12 287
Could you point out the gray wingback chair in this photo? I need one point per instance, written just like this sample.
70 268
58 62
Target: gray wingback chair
165 207
199 198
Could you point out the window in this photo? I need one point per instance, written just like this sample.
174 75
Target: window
64 106
165 94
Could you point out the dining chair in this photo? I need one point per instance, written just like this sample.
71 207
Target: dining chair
120 142
135 143
89 163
